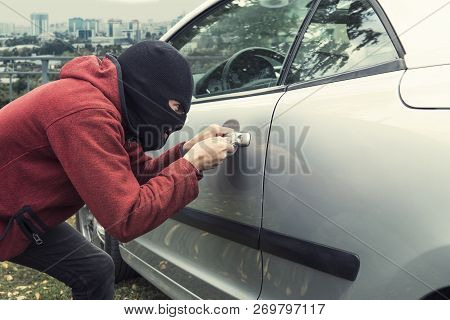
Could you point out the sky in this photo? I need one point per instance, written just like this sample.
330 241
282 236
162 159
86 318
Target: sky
60 10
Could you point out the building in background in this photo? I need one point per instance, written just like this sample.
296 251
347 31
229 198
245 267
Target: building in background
96 31
115 28
134 30
20 30
176 20
102 41
155 30
84 29
85 35
58 27
75 24
39 23
92 25
7 29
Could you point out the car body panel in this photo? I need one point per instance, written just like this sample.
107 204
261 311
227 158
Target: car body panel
232 192
151 270
427 88
377 186
423 30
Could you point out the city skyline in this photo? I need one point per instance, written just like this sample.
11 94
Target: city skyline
18 12
95 31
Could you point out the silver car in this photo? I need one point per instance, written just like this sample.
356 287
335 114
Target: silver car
344 190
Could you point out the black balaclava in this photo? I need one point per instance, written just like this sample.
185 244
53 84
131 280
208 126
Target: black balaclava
154 72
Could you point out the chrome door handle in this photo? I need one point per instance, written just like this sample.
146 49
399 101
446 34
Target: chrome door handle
240 139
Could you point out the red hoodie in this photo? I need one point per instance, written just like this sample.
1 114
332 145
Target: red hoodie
62 146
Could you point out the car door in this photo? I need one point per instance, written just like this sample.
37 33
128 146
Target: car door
330 174
210 249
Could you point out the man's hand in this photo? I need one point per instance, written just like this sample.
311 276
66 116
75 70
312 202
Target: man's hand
212 131
209 153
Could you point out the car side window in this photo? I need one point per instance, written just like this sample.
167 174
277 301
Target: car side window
241 45
344 35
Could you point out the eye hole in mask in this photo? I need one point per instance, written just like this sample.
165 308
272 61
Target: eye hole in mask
176 106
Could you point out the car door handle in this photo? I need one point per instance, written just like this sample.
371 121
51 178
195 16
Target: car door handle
240 139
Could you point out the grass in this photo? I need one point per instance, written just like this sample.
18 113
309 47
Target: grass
21 283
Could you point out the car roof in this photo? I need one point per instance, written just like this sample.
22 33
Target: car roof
422 27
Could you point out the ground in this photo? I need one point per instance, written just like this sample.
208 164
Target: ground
17 282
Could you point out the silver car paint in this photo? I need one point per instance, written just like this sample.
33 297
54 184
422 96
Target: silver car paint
422 28
378 187
433 80
218 265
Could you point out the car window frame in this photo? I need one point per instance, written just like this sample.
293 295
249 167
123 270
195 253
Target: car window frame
279 87
388 66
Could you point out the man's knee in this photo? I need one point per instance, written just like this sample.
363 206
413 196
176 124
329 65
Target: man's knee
104 268
97 279
97 268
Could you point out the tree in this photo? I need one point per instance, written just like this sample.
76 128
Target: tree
56 47
19 86
4 98
25 39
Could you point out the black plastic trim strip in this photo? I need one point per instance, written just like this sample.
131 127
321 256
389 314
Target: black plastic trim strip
240 95
396 65
238 232
333 261
298 41
339 263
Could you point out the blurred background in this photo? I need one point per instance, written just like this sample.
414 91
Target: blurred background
38 37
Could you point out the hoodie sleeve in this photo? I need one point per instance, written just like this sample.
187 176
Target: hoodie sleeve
145 167
88 144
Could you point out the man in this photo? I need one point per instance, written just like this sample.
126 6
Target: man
81 140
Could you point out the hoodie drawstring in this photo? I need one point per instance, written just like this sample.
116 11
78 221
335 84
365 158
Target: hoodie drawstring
28 228
8 226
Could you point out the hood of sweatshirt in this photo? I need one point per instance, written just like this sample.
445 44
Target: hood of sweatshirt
102 74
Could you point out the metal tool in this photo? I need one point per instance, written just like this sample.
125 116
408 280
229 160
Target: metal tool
239 139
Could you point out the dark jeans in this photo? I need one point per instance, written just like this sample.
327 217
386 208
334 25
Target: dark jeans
67 256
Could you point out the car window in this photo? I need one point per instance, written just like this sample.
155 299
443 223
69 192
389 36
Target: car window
242 45
343 36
